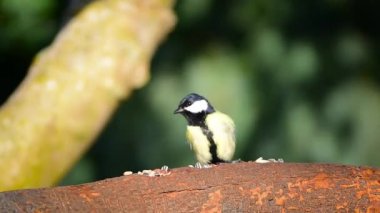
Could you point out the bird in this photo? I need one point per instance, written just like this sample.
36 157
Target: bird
210 133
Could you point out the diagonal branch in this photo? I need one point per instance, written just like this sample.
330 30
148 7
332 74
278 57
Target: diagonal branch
74 86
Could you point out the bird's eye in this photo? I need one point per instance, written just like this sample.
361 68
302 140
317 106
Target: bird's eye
187 103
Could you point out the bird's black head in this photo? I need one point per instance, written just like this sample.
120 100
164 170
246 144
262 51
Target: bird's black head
194 108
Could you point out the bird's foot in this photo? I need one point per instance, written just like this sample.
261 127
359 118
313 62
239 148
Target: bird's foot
199 165
165 168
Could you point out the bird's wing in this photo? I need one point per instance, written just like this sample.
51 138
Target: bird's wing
223 129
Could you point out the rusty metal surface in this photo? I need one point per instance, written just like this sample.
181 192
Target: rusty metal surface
241 187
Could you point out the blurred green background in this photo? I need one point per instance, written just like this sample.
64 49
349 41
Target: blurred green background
299 78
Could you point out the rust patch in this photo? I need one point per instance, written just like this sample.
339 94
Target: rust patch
372 190
281 200
299 184
356 185
95 194
293 208
294 190
214 202
322 181
279 192
342 206
293 194
374 198
374 183
368 172
89 196
258 195
359 194
84 196
375 208
172 195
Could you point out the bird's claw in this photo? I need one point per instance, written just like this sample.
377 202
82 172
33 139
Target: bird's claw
199 165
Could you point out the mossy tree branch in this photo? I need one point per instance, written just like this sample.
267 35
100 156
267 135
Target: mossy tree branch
74 85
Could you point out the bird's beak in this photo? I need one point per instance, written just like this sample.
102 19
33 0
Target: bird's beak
179 110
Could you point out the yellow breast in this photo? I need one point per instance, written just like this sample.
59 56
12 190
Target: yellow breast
223 130
199 144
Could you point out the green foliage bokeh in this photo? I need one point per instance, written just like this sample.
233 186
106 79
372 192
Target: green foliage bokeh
298 77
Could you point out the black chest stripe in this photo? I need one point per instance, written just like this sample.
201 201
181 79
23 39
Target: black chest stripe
199 120
213 148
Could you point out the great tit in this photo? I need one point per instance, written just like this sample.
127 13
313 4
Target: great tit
211 134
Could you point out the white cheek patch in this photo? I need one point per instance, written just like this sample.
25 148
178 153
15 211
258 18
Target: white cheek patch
197 106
